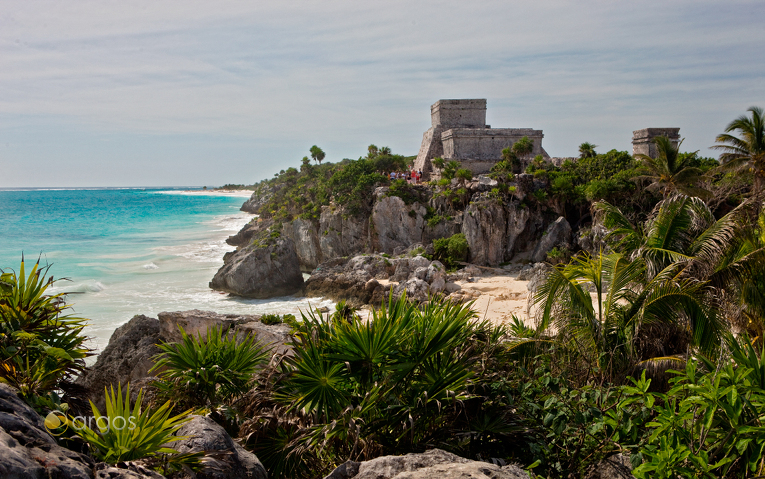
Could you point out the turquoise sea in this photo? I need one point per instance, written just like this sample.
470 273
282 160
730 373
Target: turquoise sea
129 251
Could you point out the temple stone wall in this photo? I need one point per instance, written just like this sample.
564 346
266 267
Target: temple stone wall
459 132
642 140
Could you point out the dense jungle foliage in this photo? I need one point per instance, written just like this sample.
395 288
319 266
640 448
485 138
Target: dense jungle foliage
649 346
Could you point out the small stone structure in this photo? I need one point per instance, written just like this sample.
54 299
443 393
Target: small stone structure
642 140
459 132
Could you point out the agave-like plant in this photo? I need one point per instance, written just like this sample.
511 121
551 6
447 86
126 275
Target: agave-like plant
211 370
41 348
128 433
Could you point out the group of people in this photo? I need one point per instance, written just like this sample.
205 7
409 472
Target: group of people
414 177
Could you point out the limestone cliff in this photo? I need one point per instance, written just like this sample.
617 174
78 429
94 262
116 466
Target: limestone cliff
497 227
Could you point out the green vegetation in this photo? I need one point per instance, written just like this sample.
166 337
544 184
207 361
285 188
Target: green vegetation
271 319
42 350
128 433
208 371
451 251
350 183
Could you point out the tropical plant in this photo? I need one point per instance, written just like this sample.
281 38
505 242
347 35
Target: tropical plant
372 151
211 370
408 378
587 150
317 154
709 424
450 169
42 350
746 151
670 172
452 250
463 175
385 151
128 433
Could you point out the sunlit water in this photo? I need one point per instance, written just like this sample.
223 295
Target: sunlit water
129 251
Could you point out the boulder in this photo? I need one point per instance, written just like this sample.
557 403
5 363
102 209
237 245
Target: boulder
430 464
131 470
126 359
206 435
535 274
248 231
259 197
617 466
28 451
557 233
261 270
197 322
349 279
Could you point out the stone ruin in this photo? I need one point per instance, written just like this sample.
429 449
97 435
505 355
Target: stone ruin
459 132
642 140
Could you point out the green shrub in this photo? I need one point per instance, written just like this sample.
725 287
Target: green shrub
144 433
41 349
451 250
208 371
271 319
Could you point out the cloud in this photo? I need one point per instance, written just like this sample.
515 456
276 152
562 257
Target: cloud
276 76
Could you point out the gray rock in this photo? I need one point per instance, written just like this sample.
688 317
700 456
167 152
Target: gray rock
592 239
437 285
452 287
419 262
416 289
517 222
306 238
126 359
617 466
558 232
535 274
261 272
206 435
434 463
485 227
197 322
420 273
131 470
341 234
27 450
402 270
395 226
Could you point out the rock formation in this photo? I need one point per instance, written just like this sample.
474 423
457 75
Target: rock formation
206 435
434 463
128 356
261 270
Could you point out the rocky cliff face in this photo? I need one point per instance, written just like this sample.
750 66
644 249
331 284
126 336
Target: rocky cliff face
497 229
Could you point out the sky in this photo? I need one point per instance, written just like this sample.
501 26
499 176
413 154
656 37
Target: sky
201 93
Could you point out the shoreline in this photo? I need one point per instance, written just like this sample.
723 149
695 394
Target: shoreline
229 193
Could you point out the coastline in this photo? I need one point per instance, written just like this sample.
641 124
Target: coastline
229 193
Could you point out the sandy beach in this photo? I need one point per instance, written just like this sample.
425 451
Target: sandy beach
501 297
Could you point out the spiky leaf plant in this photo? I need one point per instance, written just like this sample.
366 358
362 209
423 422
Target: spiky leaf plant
211 370
128 433
41 348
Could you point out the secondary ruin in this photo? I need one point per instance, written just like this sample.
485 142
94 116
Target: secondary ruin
459 132
642 140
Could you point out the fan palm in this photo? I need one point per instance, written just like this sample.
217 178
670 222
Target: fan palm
587 150
670 172
747 151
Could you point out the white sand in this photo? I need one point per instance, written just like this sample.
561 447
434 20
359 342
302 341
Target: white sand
501 297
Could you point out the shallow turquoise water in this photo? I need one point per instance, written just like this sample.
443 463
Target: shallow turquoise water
128 251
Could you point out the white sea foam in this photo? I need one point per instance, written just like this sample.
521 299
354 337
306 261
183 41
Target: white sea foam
89 286
150 266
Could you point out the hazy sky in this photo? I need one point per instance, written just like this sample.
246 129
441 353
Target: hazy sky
142 93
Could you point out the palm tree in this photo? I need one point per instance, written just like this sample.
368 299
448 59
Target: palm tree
523 147
587 150
385 151
372 151
317 154
670 172
747 151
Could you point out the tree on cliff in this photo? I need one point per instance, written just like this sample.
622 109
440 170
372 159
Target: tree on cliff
523 147
317 154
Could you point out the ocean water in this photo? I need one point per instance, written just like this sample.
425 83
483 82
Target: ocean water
129 251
